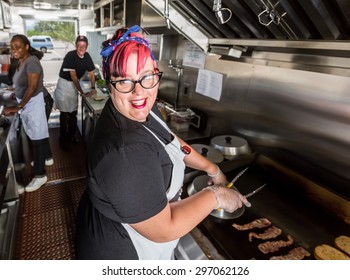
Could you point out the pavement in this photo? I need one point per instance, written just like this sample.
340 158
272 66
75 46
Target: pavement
53 59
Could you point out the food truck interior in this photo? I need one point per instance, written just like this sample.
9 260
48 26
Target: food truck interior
275 74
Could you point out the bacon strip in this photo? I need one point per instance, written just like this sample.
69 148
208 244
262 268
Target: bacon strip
269 233
274 246
297 253
258 223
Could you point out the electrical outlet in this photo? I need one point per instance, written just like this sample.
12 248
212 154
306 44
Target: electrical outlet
187 87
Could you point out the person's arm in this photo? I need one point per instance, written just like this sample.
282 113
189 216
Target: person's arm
33 81
196 161
76 82
180 217
177 218
92 80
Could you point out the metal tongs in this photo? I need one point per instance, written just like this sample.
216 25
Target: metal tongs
229 185
236 178
255 191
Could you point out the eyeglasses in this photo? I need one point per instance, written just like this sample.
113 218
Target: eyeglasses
147 82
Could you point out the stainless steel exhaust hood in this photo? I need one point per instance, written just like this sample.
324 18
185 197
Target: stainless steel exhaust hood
262 24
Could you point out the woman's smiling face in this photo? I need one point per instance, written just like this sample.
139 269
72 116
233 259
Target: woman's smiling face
19 50
136 104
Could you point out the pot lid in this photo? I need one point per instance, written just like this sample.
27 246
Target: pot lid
230 145
209 152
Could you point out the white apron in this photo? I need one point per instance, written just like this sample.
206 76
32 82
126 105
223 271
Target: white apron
147 249
65 96
34 118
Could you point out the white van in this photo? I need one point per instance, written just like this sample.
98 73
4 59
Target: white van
42 43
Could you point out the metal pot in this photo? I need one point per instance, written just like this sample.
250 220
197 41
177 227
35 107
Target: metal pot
209 152
230 146
200 183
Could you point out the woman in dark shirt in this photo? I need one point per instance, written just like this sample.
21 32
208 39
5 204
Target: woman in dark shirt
28 83
132 207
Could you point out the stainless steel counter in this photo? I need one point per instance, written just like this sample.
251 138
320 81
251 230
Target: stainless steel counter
8 217
7 132
95 103
9 197
91 108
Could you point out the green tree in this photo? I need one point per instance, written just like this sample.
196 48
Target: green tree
59 30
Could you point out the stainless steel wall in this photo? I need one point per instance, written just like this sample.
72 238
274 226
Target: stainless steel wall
300 118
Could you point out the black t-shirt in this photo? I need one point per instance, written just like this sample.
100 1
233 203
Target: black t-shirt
80 65
129 170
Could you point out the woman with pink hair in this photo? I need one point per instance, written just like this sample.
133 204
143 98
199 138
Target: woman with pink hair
132 207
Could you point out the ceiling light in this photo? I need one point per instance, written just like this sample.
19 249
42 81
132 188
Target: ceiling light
44 6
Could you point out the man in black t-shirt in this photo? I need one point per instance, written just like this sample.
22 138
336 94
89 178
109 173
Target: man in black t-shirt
74 66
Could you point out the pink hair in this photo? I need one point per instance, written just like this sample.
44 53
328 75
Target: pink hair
120 56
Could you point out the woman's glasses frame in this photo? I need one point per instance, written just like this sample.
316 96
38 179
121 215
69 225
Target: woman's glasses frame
154 75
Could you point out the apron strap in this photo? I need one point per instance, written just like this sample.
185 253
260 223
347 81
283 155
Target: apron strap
161 121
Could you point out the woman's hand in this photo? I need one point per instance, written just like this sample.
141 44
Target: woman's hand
90 93
218 178
229 199
10 110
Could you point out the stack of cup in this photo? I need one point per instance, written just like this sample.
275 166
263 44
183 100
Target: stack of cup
5 63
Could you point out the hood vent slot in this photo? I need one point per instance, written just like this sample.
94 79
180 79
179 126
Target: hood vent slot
272 19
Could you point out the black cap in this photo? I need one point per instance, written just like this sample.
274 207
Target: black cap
81 38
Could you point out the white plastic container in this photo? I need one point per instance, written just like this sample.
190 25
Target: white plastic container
180 121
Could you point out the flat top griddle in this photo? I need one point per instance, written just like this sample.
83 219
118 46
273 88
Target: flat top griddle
307 222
